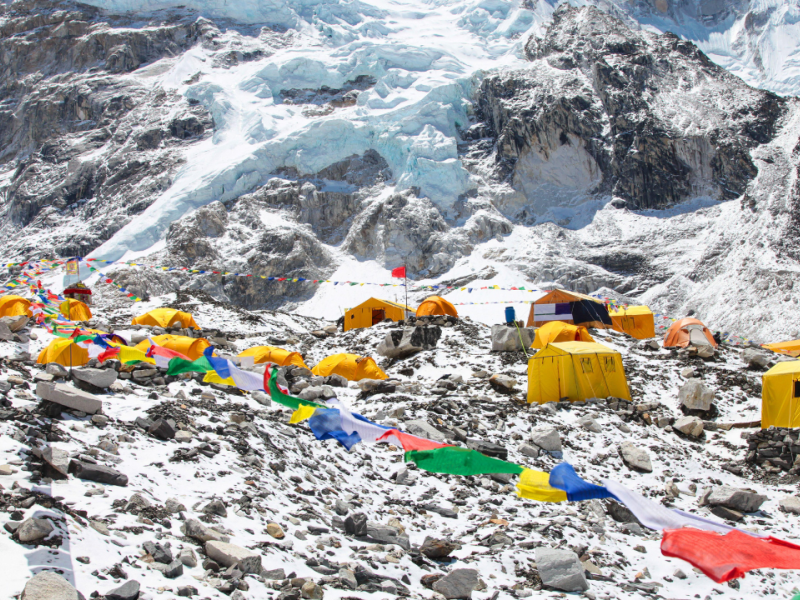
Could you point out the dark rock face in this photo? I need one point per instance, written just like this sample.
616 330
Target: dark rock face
607 110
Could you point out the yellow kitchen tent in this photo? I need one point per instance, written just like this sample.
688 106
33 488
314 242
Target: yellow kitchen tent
64 351
15 306
165 317
780 395
350 366
374 311
436 305
75 310
188 346
791 348
637 321
277 356
558 331
576 371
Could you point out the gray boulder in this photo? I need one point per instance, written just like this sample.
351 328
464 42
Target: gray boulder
6 335
502 383
33 530
57 370
57 460
695 395
94 379
590 424
636 458
98 473
231 555
459 583
561 569
422 428
691 426
790 504
755 359
69 397
15 324
48 585
507 339
546 438
408 341
195 529
127 591
735 499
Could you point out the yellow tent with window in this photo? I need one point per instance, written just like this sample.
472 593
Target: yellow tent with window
165 317
780 395
75 310
15 306
188 346
558 331
374 311
277 356
791 348
350 366
64 351
436 305
637 321
576 371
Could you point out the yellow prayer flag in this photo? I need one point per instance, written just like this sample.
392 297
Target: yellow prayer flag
302 413
535 485
212 377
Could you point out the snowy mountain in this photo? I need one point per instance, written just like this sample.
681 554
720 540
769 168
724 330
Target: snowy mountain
320 139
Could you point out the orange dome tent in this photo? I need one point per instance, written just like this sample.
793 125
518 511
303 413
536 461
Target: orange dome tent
165 317
688 332
277 356
64 351
558 331
436 305
15 306
188 346
350 366
75 310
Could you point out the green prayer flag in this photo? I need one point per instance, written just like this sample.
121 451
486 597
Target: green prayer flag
460 461
180 365
279 397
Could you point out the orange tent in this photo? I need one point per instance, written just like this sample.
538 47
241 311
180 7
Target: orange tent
436 305
75 310
686 332
558 331
278 356
15 306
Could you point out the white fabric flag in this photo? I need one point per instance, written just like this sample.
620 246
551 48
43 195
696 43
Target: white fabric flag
245 380
366 431
162 361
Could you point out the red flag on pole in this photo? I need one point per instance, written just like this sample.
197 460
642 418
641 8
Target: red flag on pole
75 333
399 272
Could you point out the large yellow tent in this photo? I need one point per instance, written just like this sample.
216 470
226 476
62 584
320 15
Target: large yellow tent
576 371
570 307
277 356
558 331
350 366
75 310
165 317
15 306
436 305
637 321
188 346
374 311
64 351
780 395
791 348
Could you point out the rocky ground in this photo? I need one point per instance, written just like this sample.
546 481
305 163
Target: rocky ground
182 488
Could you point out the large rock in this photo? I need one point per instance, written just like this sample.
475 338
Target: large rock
231 555
422 428
127 591
561 569
6 335
408 341
546 438
636 458
384 534
695 395
69 397
790 504
459 583
98 473
48 585
57 460
94 379
15 324
735 499
755 359
507 339
691 426
195 529
34 530
436 549
502 383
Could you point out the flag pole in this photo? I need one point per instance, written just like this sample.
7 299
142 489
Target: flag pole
405 278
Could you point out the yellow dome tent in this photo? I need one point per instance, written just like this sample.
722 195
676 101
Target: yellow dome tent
188 346
791 348
350 366
165 317
278 356
374 311
780 395
15 306
64 351
436 305
558 331
637 321
75 310
576 371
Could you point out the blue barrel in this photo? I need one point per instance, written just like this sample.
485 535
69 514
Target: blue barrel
511 316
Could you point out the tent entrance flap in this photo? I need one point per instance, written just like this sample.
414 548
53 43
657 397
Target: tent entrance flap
378 315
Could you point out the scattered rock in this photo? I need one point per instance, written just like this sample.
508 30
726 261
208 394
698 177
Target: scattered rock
436 549
502 383
58 461
403 343
459 583
635 458
34 530
311 591
275 531
590 424
691 426
188 558
546 438
511 339
127 591
98 473
689 372
69 397
695 395
735 499
94 379
47 585
421 428
790 504
183 436
230 555
162 429
754 359
195 529
561 569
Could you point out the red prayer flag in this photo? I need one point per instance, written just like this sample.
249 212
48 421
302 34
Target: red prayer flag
75 333
111 352
410 442
726 557
399 272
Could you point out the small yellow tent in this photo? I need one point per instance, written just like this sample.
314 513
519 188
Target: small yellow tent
576 371
780 395
637 321
791 348
436 305
64 351
75 310
558 331
15 306
374 311
277 356
165 317
350 366
188 346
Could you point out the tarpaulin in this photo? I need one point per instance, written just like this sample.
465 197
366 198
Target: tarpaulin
564 477
726 557
535 485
